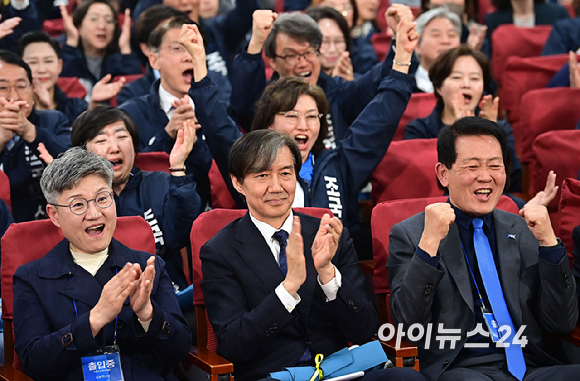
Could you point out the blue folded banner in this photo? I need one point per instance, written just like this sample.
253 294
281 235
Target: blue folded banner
341 363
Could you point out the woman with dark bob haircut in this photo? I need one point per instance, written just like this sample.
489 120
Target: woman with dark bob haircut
459 77
95 45
329 178
172 200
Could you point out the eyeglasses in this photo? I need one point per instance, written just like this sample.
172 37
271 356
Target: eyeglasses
292 59
21 88
344 10
80 205
293 117
108 20
338 43
176 49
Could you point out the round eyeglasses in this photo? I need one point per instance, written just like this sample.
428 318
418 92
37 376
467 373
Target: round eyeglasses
292 59
80 205
293 117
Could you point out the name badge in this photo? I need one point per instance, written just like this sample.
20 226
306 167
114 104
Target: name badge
492 325
104 365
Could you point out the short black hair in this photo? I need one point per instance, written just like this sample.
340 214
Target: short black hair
256 151
321 13
9 57
151 18
297 26
469 126
80 13
34 37
88 125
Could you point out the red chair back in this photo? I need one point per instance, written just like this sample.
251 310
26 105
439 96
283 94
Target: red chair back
569 211
203 229
483 8
39 238
546 110
406 171
558 151
524 74
129 78
5 189
220 195
386 215
381 42
152 161
71 87
420 105
509 40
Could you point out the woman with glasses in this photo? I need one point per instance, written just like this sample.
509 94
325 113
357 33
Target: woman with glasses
91 295
329 178
334 51
95 45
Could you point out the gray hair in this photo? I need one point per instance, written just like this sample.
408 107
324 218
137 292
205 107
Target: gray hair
437 13
67 171
296 25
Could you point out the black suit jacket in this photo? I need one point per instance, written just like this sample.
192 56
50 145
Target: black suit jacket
538 294
253 328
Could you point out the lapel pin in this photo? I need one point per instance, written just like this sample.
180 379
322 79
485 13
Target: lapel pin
511 236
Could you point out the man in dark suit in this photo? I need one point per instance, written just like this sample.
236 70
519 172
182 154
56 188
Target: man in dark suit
442 264
274 304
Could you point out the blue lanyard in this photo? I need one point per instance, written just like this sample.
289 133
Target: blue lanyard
116 318
472 276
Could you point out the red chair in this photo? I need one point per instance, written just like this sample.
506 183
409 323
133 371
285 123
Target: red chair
130 78
524 74
71 87
5 189
569 211
406 171
483 8
203 229
40 237
152 161
420 105
558 151
546 110
381 42
509 40
220 195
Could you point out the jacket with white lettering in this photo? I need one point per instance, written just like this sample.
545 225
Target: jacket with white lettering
169 204
23 166
339 174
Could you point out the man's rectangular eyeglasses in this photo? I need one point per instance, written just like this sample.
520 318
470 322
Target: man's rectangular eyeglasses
293 58
80 205
21 88
293 117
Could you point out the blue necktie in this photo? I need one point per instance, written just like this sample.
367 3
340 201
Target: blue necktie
514 355
282 237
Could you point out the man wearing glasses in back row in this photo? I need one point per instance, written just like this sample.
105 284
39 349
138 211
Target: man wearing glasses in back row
22 128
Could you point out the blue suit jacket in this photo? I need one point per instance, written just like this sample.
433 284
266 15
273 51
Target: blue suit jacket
44 313
254 330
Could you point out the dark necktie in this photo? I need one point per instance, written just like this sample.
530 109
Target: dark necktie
488 271
282 237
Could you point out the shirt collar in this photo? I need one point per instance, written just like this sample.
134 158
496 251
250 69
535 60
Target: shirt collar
465 220
268 230
166 99
422 79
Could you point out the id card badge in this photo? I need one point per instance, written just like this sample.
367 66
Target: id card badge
103 365
492 325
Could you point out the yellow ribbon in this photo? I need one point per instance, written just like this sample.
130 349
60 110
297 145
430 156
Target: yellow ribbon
318 373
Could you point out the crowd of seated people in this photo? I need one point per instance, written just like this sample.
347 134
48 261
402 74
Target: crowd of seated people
275 105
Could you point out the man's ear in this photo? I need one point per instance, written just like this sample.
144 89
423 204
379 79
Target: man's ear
237 185
52 212
272 63
154 60
442 174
